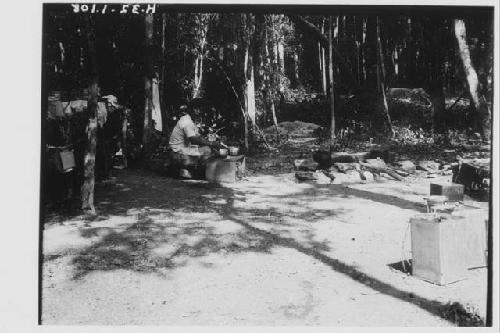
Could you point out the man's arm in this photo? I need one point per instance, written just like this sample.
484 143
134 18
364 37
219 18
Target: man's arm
194 137
200 141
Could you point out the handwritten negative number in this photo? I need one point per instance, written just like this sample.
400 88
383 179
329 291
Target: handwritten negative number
134 9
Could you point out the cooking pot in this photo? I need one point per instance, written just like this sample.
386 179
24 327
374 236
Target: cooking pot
233 151
222 152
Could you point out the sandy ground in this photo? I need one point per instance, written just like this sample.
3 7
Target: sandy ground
265 251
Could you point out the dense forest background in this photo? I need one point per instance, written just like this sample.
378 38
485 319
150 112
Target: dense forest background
254 64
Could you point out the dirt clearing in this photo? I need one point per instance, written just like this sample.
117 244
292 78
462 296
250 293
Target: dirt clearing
265 251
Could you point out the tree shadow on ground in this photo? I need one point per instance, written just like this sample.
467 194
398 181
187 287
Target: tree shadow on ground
432 306
159 241
150 247
385 199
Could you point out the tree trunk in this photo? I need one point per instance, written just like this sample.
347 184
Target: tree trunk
371 55
148 87
324 74
381 54
320 68
483 113
336 29
363 53
198 71
198 66
275 120
330 72
195 79
296 67
269 85
62 56
246 96
381 79
87 189
357 46
323 63
280 47
438 101
251 93
395 63
249 85
124 136
337 41
156 111
148 116
411 55
378 72
281 55
435 61
163 102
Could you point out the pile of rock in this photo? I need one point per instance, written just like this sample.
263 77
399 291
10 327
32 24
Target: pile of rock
342 168
361 167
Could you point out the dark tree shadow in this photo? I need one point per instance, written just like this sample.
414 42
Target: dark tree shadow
133 248
385 199
432 306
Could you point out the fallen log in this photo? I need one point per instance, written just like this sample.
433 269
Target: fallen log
379 169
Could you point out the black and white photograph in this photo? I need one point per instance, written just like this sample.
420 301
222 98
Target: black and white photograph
281 164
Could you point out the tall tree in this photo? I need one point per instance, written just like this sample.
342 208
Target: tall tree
411 53
277 22
435 39
280 44
381 79
87 189
123 141
202 26
162 87
249 74
330 77
483 114
296 65
364 22
148 86
269 89
322 61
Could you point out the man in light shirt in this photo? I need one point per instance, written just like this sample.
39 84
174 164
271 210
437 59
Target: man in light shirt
190 150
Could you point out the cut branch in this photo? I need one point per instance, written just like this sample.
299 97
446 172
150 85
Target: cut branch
456 101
